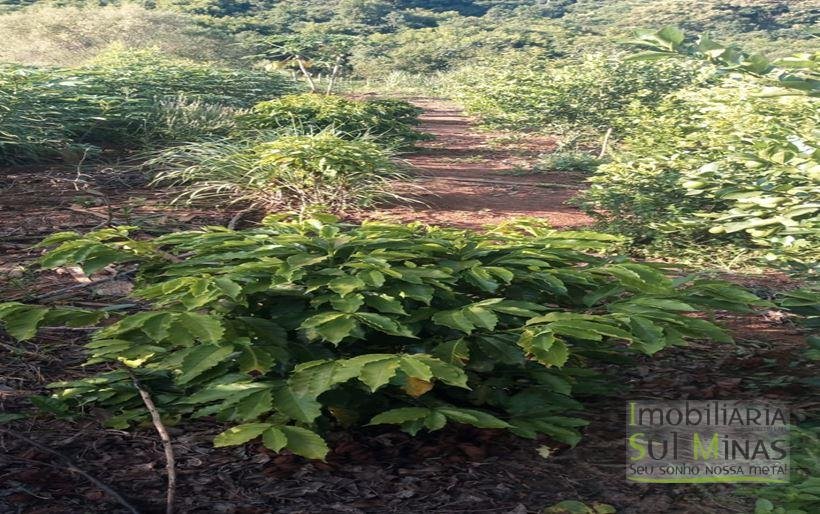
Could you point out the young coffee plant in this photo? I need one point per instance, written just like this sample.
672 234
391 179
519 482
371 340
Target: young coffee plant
293 329
390 122
322 171
736 163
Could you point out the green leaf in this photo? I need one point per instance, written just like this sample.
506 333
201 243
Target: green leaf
376 374
520 309
240 434
647 334
314 378
254 405
453 352
8 417
21 321
336 330
385 303
544 347
400 415
201 359
435 421
347 304
229 287
255 359
321 318
203 327
447 373
304 442
274 439
455 319
672 35
473 417
421 293
481 317
371 278
413 367
384 324
346 284
299 407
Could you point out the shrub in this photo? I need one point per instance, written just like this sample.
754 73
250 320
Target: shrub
321 171
296 328
388 121
120 100
568 161
587 96
723 164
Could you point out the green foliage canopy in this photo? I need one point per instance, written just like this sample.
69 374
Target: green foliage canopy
288 330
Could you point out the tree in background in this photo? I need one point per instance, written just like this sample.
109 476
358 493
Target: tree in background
312 54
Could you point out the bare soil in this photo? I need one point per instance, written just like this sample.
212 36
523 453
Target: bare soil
456 470
470 179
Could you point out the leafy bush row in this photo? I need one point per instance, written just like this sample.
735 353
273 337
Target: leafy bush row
388 121
737 163
585 96
293 329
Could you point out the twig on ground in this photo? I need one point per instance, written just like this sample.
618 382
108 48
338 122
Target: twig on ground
238 216
605 143
170 461
71 290
70 466
15 349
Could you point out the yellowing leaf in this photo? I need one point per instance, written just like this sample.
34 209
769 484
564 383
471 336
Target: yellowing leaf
416 387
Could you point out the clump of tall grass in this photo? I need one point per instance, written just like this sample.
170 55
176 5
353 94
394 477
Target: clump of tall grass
123 100
299 172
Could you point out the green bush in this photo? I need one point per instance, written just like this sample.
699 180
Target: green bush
119 100
584 97
735 163
387 121
568 161
292 329
322 171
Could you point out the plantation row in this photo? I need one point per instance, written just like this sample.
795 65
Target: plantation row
296 328
204 130
706 153
717 149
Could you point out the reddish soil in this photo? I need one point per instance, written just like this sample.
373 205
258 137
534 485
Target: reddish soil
456 168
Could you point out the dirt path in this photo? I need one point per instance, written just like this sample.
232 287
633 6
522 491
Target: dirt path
469 177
